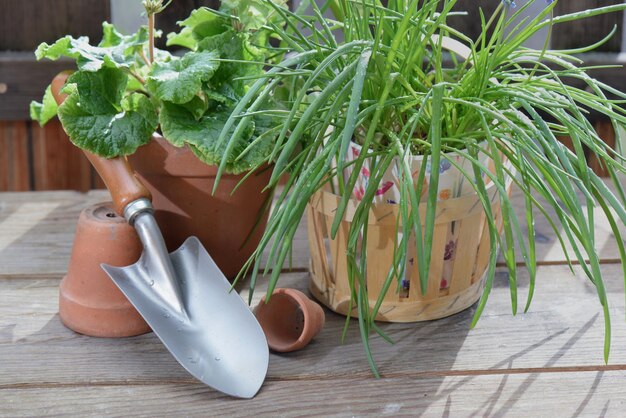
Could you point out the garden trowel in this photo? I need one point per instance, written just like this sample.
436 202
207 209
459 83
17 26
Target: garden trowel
184 296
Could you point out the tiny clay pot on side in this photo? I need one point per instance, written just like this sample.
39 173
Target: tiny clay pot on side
89 302
229 224
289 320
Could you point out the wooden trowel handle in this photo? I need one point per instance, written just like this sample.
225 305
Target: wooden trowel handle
116 172
119 179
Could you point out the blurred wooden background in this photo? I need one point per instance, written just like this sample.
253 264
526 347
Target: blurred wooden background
35 158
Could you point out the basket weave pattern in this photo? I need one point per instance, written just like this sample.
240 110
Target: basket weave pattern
460 256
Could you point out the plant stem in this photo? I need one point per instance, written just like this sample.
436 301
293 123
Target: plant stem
142 54
152 8
137 76
151 37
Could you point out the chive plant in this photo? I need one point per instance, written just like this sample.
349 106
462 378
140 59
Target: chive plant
379 75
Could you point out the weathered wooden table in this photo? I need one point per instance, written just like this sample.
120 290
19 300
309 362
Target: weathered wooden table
547 362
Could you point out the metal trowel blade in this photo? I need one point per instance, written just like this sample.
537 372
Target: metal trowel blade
216 337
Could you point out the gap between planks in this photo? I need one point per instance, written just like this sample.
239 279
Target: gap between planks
606 261
498 264
310 378
561 262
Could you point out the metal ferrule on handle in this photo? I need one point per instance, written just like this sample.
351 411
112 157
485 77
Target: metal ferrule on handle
135 208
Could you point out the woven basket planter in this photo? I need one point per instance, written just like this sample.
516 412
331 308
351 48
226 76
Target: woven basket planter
460 255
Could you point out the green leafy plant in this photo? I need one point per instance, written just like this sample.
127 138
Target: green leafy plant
125 89
379 75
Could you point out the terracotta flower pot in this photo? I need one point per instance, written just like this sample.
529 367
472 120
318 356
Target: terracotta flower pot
289 320
181 187
90 303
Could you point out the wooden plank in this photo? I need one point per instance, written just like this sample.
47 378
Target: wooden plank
607 133
467 247
591 30
380 243
25 24
563 330
14 158
55 163
24 80
320 265
38 230
435 273
554 394
58 164
338 255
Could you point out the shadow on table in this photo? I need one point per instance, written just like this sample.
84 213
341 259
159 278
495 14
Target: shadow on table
488 408
70 357
429 350
507 393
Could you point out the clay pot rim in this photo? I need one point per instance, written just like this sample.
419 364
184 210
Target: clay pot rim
194 168
301 301
89 301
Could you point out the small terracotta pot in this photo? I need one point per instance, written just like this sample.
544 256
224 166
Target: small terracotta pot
289 320
181 187
90 303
